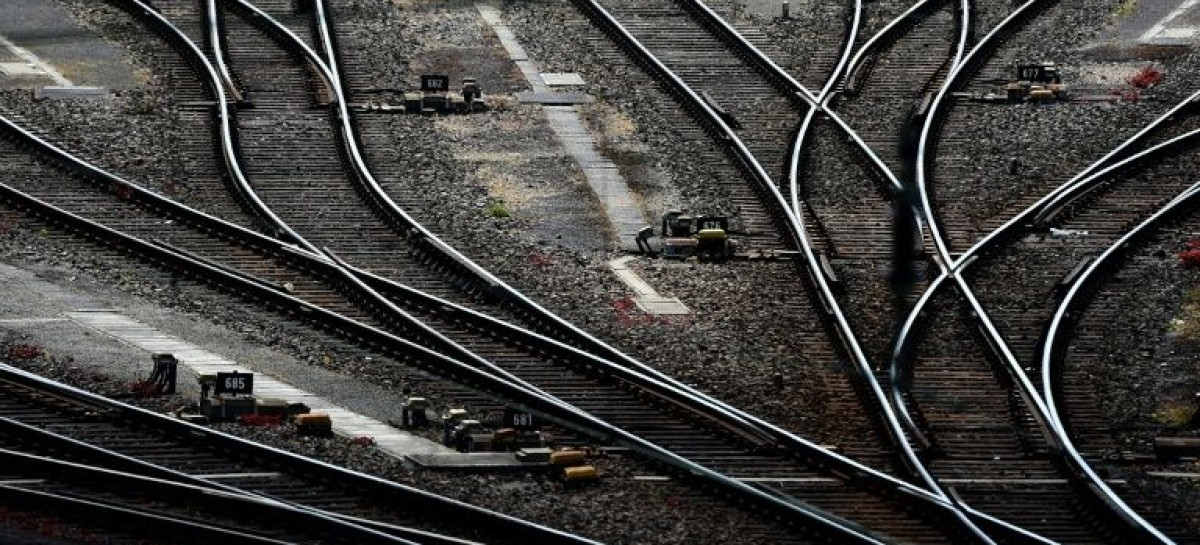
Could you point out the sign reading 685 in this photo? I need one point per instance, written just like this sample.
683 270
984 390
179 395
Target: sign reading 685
235 383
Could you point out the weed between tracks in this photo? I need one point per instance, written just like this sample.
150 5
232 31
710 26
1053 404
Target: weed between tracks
1126 7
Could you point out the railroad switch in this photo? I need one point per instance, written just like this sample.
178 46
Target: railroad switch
413 414
162 380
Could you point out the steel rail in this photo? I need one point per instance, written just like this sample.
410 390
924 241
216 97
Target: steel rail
891 31
370 530
513 395
349 136
344 326
729 138
1083 181
68 506
1079 473
229 149
517 396
379 304
797 232
510 394
1065 195
960 70
780 77
126 463
796 223
784 437
232 161
1039 213
1086 179
844 58
916 465
711 405
216 31
362 333
1053 348
634 376
846 332
179 482
964 35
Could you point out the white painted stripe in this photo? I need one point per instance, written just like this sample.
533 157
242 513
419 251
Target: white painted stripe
646 298
630 278
30 58
345 423
1159 27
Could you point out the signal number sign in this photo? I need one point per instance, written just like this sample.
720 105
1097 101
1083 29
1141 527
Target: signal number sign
520 420
435 83
1032 72
235 383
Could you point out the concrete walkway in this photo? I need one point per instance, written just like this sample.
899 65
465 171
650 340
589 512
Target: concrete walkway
646 297
109 333
605 180
345 422
41 44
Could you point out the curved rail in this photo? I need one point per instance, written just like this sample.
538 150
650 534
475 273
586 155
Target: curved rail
515 395
524 399
714 123
778 435
402 494
849 337
332 78
797 232
184 528
749 423
1054 346
1064 196
137 469
1079 472
229 148
890 32
232 156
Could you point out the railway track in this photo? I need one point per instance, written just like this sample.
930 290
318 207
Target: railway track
1098 322
977 395
837 498
120 504
807 43
651 433
887 80
274 489
796 229
763 114
277 93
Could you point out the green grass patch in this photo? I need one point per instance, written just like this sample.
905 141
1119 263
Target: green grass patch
496 209
1125 7
1174 414
1187 325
